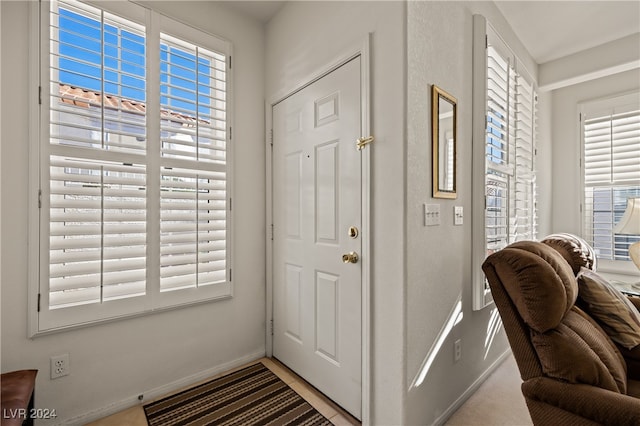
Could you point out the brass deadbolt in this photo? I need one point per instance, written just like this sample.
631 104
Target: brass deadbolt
353 232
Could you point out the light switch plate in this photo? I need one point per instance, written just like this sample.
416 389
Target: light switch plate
431 214
458 215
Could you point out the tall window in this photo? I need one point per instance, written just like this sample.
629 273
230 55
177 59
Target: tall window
133 161
611 166
510 147
505 132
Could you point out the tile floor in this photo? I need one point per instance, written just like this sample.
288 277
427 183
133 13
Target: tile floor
135 416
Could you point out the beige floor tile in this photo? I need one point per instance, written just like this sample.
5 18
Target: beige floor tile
131 417
279 370
312 397
344 420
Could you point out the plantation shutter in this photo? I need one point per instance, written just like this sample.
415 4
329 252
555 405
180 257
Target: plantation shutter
524 213
611 138
193 217
510 212
134 199
500 99
504 139
96 154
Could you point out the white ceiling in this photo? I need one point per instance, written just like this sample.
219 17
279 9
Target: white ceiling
553 29
261 10
548 29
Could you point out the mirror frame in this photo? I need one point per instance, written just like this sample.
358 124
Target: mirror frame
437 94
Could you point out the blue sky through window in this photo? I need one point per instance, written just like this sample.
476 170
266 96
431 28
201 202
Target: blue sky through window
179 79
111 58
82 56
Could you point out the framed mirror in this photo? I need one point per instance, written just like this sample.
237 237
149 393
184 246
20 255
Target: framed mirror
443 127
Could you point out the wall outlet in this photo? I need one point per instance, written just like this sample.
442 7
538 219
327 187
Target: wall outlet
457 350
59 366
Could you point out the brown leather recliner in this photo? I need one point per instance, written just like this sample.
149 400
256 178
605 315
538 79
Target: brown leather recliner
572 372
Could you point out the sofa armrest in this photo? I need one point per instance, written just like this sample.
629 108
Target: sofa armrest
590 402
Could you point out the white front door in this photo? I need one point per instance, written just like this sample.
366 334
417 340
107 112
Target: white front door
317 218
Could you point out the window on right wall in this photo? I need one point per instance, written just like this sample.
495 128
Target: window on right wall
504 146
610 130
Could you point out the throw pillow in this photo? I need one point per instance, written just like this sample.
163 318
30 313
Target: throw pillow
576 352
613 310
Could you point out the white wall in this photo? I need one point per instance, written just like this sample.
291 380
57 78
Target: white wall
544 164
600 61
304 38
438 258
112 363
567 191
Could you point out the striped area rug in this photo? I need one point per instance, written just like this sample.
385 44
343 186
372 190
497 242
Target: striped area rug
251 396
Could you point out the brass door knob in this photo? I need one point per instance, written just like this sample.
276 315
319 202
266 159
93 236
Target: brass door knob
351 257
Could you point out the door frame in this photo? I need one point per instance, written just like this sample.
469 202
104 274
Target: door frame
363 51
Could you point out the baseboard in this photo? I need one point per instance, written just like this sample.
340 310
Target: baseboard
160 391
471 389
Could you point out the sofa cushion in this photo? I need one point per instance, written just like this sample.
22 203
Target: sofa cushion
576 351
633 388
539 282
613 310
574 249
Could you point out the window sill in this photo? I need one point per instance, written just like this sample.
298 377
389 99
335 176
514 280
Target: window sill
83 324
623 271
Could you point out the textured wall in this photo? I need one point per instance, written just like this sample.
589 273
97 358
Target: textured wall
304 39
112 363
440 42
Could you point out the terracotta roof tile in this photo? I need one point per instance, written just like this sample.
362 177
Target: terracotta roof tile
88 98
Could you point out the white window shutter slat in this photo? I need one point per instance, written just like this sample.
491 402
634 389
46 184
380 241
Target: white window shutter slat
510 154
611 159
125 219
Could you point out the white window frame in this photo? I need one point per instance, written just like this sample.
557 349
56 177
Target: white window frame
520 82
42 320
616 104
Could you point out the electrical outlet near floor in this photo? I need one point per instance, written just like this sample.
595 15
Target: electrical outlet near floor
59 366
457 350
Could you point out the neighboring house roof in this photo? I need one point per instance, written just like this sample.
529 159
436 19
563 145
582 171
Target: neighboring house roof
87 98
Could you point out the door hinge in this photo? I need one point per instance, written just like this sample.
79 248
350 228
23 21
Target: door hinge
271 327
39 95
39 302
272 232
230 274
230 133
271 136
230 203
230 62
39 198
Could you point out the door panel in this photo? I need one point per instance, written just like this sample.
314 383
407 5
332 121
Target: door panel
317 198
